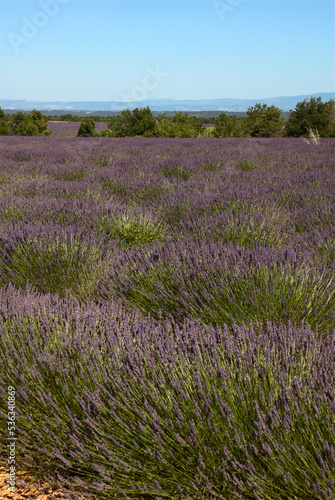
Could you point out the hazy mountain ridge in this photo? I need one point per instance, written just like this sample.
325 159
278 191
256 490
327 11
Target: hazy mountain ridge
285 103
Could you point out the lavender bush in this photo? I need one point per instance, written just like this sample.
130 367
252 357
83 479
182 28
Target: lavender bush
167 315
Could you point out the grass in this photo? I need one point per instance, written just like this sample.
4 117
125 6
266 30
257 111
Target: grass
130 230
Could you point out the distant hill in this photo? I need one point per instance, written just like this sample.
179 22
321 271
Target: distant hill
285 103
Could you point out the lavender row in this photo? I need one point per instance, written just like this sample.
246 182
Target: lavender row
214 282
170 412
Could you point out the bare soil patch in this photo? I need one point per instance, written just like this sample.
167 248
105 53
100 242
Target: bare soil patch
27 489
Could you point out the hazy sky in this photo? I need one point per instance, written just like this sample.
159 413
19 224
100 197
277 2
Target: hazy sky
134 50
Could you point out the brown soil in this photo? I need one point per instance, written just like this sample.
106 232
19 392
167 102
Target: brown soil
26 489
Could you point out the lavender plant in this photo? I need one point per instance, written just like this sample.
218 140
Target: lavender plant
167 315
171 412
51 263
220 284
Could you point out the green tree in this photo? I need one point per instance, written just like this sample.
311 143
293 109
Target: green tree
117 125
26 127
41 122
144 123
265 121
4 128
225 126
330 128
139 122
191 123
313 114
179 125
33 124
69 118
87 128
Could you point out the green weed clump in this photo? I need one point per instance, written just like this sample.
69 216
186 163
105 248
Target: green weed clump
247 165
179 171
132 230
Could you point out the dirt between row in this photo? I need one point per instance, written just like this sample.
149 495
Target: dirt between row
27 489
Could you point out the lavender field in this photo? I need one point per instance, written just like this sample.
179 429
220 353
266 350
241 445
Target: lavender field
168 315
70 129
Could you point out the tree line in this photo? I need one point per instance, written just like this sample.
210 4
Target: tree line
20 123
261 121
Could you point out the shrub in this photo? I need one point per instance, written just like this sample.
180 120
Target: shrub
139 122
312 114
87 128
265 121
33 124
226 126
180 125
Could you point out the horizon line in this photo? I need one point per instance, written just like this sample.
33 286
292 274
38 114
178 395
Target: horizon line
165 98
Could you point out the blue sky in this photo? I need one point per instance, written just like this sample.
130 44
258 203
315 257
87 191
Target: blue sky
134 50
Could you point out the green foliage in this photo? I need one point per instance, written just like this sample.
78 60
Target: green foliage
69 118
114 186
312 114
107 133
179 125
210 166
330 128
241 392
139 122
225 126
33 124
26 127
193 122
266 293
4 128
151 192
179 171
87 128
51 266
265 121
144 123
71 175
246 165
132 231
